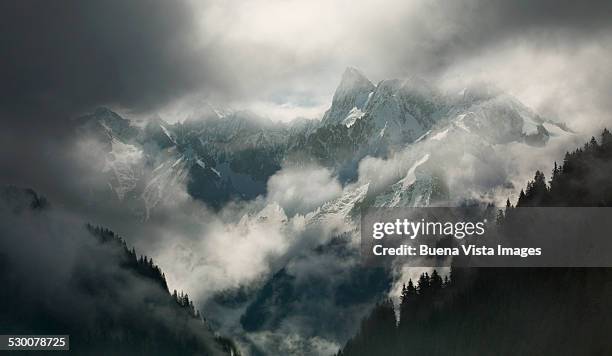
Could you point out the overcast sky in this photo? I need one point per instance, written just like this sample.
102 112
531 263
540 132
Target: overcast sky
281 59
284 57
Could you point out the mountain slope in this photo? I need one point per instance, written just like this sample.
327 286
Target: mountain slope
480 311
402 142
350 99
60 276
222 154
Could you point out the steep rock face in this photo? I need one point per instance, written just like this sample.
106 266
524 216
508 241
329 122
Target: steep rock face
107 124
417 188
341 208
351 97
402 110
398 112
393 114
223 154
103 295
421 134
500 118
218 156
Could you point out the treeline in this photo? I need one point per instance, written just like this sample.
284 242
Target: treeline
508 311
143 266
185 320
583 179
93 287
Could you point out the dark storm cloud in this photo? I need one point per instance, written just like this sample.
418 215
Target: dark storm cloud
49 260
59 57
141 53
62 58
581 15
439 34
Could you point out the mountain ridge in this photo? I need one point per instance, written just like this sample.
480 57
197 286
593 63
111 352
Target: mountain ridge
100 293
230 155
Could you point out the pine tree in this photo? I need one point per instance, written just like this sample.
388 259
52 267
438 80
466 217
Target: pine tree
536 193
556 172
606 144
408 294
411 290
592 145
435 282
423 284
521 199
408 305
606 138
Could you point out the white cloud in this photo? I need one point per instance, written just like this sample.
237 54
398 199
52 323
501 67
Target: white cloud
565 82
302 189
220 255
268 51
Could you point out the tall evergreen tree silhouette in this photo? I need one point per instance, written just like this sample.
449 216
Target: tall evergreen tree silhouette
484 311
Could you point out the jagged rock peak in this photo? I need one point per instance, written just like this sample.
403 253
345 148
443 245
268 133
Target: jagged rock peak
352 93
412 84
354 78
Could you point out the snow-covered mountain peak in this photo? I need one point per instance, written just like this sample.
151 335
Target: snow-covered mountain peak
413 84
207 111
220 154
476 92
353 91
354 78
106 125
108 117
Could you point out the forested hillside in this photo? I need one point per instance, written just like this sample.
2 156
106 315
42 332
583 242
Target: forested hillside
504 311
84 281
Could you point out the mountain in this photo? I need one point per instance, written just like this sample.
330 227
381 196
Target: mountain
108 125
401 142
398 113
453 137
60 276
402 110
481 311
223 154
339 209
350 99
219 154
417 188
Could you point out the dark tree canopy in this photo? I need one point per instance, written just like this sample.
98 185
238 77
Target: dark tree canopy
505 311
